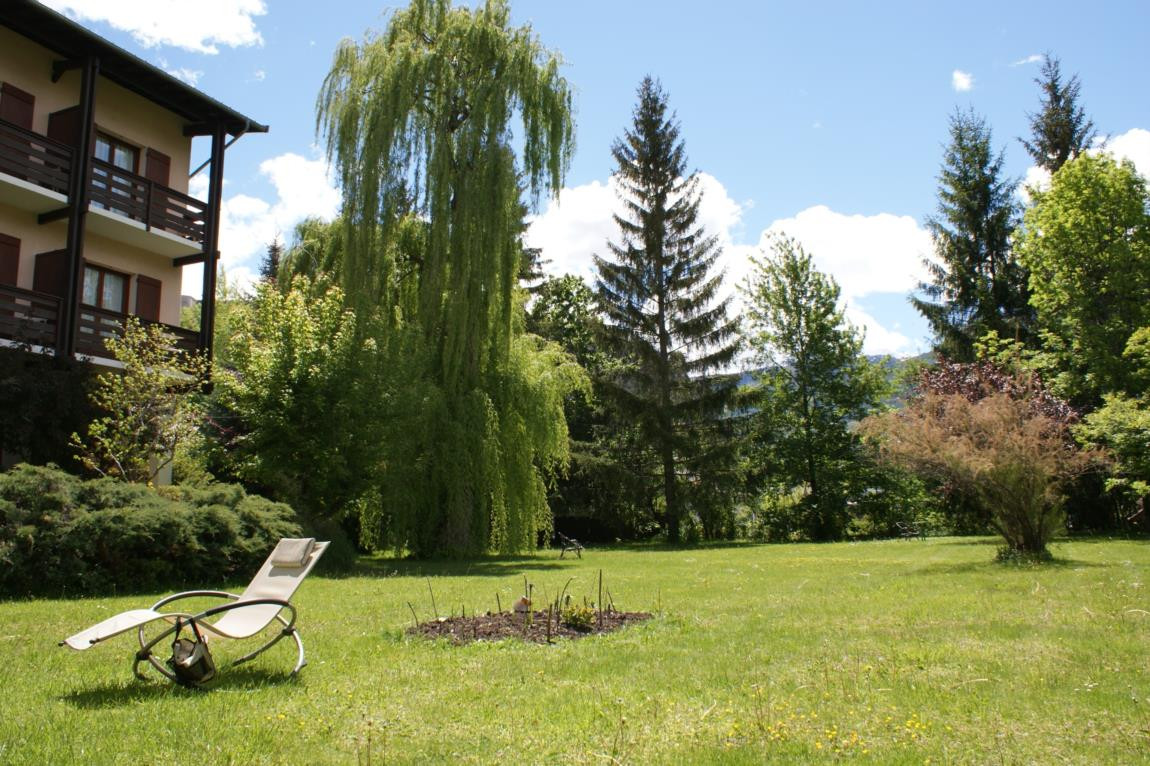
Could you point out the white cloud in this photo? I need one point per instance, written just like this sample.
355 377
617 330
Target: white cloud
200 26
879 339
248 224
961 81
1034 58
865 254
1037 178
1133 145
574 226
190 76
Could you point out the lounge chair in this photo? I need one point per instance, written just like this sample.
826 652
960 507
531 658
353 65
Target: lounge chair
261 603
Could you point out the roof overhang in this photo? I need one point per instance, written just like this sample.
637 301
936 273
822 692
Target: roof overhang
74 43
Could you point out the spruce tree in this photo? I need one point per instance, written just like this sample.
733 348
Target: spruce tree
659 291
976 284
270 267
1060 129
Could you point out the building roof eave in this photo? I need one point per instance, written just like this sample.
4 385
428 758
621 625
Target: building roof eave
74 43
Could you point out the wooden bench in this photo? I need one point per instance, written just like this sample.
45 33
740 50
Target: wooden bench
908 530
568 544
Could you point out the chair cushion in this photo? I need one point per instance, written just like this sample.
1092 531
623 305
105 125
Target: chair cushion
292 552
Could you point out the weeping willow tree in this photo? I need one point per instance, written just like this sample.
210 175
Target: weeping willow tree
418 123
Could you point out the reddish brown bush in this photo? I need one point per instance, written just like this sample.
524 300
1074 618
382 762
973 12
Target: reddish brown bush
1001 439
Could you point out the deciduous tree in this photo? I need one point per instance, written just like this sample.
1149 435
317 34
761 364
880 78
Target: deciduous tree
1001 439
419 125
149 405
1086 243
813 382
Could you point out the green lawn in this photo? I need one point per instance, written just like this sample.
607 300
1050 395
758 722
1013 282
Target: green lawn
886 652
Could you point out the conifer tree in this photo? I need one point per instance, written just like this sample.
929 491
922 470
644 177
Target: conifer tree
1060 129
976 284
663 315
270 267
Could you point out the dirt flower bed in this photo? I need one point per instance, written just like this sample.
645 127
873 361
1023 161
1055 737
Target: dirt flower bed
497 627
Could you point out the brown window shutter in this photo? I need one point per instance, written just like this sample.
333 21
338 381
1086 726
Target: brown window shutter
51 273
9 259
17 106
158 167
64 125
148 298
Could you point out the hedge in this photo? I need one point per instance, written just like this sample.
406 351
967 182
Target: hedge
63 535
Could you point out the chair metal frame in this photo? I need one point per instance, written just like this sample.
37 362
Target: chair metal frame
145 652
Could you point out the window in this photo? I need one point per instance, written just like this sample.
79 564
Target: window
104 289
112 190
116 152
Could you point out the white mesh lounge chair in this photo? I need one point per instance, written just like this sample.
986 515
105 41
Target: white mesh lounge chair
261 603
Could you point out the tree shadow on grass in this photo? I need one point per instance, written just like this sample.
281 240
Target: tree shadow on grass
990 565
504 566
120 693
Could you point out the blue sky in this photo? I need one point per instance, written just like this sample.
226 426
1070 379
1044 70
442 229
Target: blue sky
824 120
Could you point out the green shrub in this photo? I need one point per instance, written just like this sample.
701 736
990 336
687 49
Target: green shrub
578 617
61 534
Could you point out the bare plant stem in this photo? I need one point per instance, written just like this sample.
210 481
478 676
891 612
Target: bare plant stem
414 616
434 609
599 603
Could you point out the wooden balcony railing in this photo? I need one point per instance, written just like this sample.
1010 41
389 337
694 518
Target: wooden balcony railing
94 326
47 163
156 206
35 158
32 318
28 317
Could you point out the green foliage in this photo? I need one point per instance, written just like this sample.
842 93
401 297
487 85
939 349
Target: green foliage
1060 130
433 98
814 382
976 285
60 534
663 318
579 617
316 252
1003 441
149 405
231 306
418 122
302 407
1122 423
44 399
1086 242
605 493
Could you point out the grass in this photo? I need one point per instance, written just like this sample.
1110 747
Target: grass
887 652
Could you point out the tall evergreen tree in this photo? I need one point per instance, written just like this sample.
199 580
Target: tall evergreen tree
418 121
270 267
976 284
659 293
1060 130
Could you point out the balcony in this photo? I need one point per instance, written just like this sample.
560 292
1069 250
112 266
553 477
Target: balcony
125 207
32 319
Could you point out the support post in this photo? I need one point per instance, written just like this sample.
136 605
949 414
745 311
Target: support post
212 238
78 207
